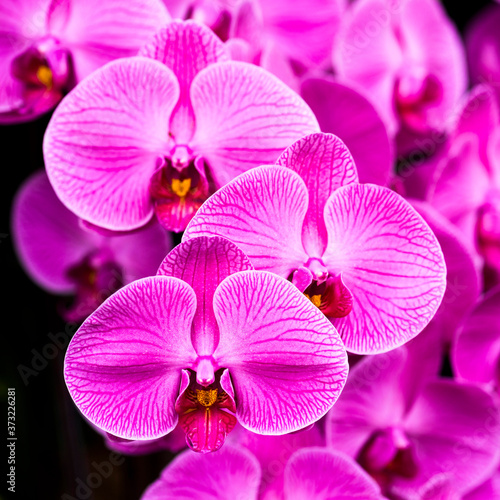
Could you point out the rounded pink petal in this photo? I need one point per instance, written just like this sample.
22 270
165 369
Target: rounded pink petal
342 111
324 164
204 262
98 31
227 474
322 474
123 365
102 142
391 262
245 117
287 363
262 212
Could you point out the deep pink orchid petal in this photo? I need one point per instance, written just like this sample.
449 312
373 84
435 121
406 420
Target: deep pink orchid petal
102 143
324 164
323 474
488 489
455 429
371 400
245 117
186 47
262 212
463 283
97 31
123 365
476 351
342 111
47 236
227 474
286 361
204 263
390 261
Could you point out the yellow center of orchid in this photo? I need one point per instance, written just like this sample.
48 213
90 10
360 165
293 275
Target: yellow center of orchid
181 188
315 299
206 398
44 75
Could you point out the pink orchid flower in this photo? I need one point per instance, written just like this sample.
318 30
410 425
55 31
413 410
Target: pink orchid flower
312 473
360 252
65 257
158 134
466 186
406 426
204 344
414 79
46 46
487 490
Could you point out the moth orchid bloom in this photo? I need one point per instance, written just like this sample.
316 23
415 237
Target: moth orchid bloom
483 47
466 186
159 133
233 472
204 344
360 252
65 257
344 112
476 351
405 425
414 79
47 46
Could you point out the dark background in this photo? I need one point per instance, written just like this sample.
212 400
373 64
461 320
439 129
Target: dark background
54 446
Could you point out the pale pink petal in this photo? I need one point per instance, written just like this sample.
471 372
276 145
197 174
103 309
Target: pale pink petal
342 111
324 164
203 263
123 365
228 474
287 362
322 474
186 48
103 141
262 212
455 429
245 117
98 31
390 261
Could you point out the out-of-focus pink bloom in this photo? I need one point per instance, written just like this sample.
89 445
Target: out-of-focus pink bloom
466 188
476 352
360 252
489 490
312 473
204 344
405 426
342 111
63 256
158 134
482 41
408 57
46 46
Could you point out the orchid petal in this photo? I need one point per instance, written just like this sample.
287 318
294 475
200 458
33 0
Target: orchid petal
186 47
204 263
262 212
342 111
123 365
286 361
97 31
476 352
227 474
102 143
245 117
455 429
322 474
324 164
390 261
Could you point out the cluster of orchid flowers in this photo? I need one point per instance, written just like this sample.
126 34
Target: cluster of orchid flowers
335 175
